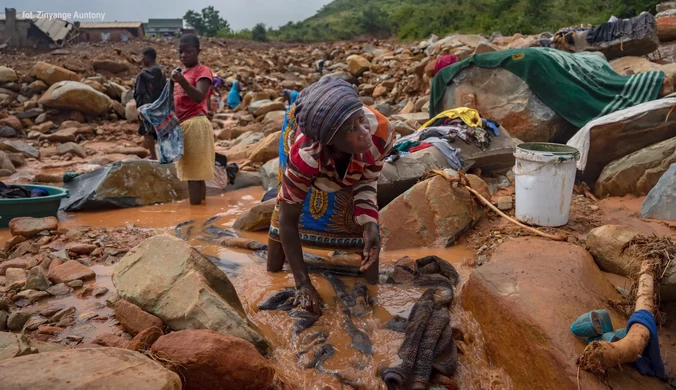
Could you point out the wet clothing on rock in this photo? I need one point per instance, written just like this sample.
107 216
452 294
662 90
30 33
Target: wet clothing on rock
185 107
149 85
636 27
428 346
562 80
334 207
234 98
16 192
198 150
224 173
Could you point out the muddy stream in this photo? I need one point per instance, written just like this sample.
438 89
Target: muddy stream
247 272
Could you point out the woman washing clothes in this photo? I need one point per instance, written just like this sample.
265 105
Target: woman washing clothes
191 92
331 153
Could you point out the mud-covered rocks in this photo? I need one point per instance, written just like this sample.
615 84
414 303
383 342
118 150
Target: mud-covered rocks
52 74
266 149
166 277
269 172
666 25
357 65
37 279
133 319
256 218
29 227
661 200
111 66
131 111
69 271
525 299
90 368
198 356
431 214
7 75
71 148
13 122
125 184
73 95
6 163
502 96
637 173
268 107
608 243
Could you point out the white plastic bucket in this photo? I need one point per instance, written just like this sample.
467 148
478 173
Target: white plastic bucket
544 178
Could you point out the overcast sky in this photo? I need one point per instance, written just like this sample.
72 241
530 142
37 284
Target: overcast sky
239 13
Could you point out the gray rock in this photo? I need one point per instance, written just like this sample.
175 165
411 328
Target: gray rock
346 76
37 279
125 184
166 277
7 132
72 148
243 180
384 109
661 201
269 172
6 163
3 320
20 147
60 289
18 319
257 218
92 368
254 106
637 173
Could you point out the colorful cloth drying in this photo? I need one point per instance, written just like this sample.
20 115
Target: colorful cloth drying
443 62
161 116
562 80
468 115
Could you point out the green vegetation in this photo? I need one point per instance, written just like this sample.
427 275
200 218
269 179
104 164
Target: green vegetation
416 19
259 33
208 23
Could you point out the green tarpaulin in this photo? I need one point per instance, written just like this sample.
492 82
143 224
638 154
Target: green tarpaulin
578 87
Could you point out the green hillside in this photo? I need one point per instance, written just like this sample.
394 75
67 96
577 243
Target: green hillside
416 19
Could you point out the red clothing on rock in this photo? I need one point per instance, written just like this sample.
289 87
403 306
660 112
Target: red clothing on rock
185 107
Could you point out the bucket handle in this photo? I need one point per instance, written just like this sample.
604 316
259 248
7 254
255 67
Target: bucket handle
536 169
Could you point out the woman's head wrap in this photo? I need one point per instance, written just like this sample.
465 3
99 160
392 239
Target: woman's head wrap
324 106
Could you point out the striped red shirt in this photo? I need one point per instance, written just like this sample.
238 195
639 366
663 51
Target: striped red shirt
310 164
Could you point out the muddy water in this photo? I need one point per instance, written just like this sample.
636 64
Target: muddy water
254 284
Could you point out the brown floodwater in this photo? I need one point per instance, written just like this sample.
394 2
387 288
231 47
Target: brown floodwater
247 273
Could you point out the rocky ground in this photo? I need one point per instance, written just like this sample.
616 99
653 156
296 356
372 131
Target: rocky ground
71 110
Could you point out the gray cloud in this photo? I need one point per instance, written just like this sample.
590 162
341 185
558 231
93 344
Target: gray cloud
239 13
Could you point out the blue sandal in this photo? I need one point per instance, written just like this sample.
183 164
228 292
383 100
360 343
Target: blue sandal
610 337
592 324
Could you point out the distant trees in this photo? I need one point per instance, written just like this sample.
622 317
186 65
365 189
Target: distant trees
207 23
375 21
259 33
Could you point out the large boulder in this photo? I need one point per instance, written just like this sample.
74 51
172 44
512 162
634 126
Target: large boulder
525 299
666 25
52 74
505 98
14 345
123 184
396 178
357 65
168 278
73 95
256 218
268 107
607 244
110 65
637 173
621 133
266 149
661 200
198 356
431 214
258 104
7 75
87 368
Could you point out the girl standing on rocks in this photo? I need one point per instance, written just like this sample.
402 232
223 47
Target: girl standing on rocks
331 153
191 92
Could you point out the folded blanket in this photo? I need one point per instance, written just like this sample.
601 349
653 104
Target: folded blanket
578 87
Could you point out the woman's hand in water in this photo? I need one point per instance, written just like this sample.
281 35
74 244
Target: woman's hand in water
371 246
308 299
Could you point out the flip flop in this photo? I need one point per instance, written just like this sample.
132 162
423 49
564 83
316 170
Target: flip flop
587 325
610 337
606 324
